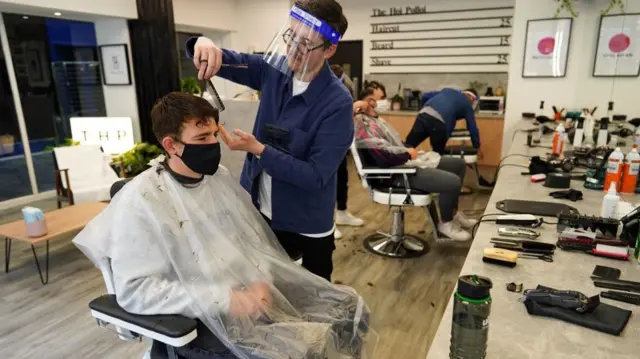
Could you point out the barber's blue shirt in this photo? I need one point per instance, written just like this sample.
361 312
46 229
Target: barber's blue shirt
320 131
453 105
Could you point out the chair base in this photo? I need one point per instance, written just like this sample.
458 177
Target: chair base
384 244
396 244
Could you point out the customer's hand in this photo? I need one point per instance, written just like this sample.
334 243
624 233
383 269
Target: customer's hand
252 302
413 152
243 142
207 57
360 106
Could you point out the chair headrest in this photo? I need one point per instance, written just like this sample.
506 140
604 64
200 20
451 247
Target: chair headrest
117 186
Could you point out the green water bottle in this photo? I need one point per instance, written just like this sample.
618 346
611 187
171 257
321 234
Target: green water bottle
470 324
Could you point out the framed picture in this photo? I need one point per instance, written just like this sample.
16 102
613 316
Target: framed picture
546 47
115 64
618 48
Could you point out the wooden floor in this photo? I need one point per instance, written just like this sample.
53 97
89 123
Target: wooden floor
407 297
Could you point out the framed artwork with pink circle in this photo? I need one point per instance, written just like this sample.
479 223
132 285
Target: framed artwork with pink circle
618 47
546 49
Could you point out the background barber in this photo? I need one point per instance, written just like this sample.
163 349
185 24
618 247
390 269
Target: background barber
292 181
438 118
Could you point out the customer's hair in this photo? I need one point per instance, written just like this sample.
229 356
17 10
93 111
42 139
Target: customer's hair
368 91
474 92
376 85
328 11
337 70
171 111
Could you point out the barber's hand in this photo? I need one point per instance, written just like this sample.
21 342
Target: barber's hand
413 152
207 57
243 142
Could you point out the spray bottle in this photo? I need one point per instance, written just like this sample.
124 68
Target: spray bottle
577 139
589 124
614 168
610 202
630 171
610 110
603 133
558 140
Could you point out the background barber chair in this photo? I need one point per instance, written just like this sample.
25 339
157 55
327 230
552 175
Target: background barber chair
462 148
397 243
173 331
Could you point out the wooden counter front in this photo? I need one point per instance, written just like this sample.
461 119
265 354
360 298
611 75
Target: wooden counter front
490 127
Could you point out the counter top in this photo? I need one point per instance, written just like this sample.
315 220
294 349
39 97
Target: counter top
513 333
415 113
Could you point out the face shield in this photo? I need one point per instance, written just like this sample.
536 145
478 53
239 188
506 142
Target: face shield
297 48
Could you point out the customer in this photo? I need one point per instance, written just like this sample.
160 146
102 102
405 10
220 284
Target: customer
302 132
438 118
182 238
382 146
343 217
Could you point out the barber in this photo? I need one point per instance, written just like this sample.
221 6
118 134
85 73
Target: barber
302 131
439 116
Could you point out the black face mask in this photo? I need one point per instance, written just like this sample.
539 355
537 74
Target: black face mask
202 159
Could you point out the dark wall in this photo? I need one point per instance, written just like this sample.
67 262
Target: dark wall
153 48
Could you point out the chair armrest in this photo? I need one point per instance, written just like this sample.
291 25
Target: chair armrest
388 171
173 330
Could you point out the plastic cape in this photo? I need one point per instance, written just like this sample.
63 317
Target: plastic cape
376 133
202 251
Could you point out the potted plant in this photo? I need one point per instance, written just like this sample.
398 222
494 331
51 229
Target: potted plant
396 102
136 160
567 5
190 85
7 144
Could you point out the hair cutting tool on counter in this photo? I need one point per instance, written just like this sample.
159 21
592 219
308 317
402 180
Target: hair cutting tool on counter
524 220
543 257
518 232
524 246
617 284
622 297
567 299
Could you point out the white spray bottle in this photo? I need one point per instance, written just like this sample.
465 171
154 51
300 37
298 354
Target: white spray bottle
589 124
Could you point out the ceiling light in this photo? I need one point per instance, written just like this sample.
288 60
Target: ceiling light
25 17
57 13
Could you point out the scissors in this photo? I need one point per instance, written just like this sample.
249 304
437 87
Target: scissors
543 257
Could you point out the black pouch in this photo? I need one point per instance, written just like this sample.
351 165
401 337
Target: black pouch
276 137
605 318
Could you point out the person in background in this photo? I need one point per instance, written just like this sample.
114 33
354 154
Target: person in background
438 118
293 187
343 217
381 91
346 80
382 146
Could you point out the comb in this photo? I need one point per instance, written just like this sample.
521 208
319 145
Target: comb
217 101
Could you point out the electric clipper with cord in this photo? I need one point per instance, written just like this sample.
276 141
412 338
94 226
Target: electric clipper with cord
566 299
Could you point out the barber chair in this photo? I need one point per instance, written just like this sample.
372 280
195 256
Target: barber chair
173 331
396 243
463 149
82 174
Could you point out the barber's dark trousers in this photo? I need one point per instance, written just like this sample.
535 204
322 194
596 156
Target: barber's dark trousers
343 186
427 126
316 253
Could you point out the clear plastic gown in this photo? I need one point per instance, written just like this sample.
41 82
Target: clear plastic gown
214 243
